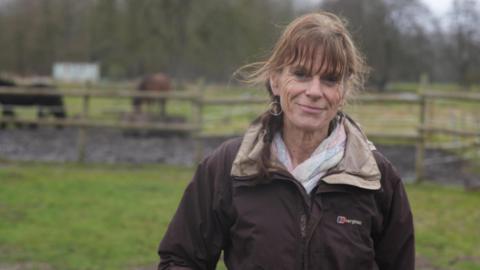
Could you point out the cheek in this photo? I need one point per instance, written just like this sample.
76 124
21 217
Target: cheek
334 97
286 100
287 94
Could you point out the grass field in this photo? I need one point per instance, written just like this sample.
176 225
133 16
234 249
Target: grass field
95 217
112 217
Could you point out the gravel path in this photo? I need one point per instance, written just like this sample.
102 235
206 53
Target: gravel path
114 146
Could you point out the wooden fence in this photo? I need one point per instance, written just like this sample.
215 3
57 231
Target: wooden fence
424 133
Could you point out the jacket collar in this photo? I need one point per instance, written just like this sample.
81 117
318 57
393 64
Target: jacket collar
357 168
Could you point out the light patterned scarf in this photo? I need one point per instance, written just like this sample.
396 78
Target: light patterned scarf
326 155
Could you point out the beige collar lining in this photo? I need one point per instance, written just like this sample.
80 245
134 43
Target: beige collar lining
358 167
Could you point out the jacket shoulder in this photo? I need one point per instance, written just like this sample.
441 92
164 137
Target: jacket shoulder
390 181
224 154
217 165
393 231
389 175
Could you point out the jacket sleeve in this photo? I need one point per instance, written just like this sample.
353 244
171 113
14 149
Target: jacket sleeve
395 246
194 238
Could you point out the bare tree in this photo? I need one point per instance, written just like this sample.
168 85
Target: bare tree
390 32
132 37
465 48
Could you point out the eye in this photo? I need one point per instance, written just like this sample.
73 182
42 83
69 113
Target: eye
330 80
300 73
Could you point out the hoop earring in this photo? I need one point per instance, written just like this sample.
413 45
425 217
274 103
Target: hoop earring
275 107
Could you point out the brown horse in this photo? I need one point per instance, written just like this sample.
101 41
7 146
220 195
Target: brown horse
157 82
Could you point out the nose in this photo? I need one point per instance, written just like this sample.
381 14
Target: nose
315 89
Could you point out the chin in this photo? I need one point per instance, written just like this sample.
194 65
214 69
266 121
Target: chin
309 127
307 123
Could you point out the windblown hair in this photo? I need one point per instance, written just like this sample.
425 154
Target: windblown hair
319 42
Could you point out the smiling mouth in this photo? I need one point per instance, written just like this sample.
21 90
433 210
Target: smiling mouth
311 108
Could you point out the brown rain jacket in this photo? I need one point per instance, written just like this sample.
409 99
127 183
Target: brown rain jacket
357 218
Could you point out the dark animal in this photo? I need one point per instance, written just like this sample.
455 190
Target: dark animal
157 82
51 104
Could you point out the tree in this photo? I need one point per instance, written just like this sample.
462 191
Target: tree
464 48
390 33
130 38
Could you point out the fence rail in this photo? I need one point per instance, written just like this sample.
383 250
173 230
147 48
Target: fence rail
174 95
459 96
420 135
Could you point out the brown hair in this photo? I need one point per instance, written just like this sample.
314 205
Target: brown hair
320 42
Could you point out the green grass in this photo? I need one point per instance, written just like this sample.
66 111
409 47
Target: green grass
447 225
86 217
113 217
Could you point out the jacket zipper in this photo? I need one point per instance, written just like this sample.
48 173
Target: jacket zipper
303 217
303 233
303 226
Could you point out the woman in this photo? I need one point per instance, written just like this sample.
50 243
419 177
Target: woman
303 188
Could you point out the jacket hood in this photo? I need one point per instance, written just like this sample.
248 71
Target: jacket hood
357 168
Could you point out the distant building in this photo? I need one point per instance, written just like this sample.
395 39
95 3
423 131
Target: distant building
76 72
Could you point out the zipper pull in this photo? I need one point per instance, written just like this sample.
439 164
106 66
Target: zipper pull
303 225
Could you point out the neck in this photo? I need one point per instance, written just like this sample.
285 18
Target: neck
301 143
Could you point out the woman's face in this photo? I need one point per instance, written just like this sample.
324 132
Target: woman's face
309 102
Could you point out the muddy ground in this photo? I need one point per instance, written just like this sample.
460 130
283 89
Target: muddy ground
116 147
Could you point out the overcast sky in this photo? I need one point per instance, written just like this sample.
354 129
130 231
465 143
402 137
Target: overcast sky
438 7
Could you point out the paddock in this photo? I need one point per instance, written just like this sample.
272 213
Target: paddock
427 121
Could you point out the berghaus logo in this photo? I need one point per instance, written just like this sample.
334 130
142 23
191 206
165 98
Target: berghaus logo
345 220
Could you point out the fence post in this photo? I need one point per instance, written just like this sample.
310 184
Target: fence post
421 141
82 132
197 110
